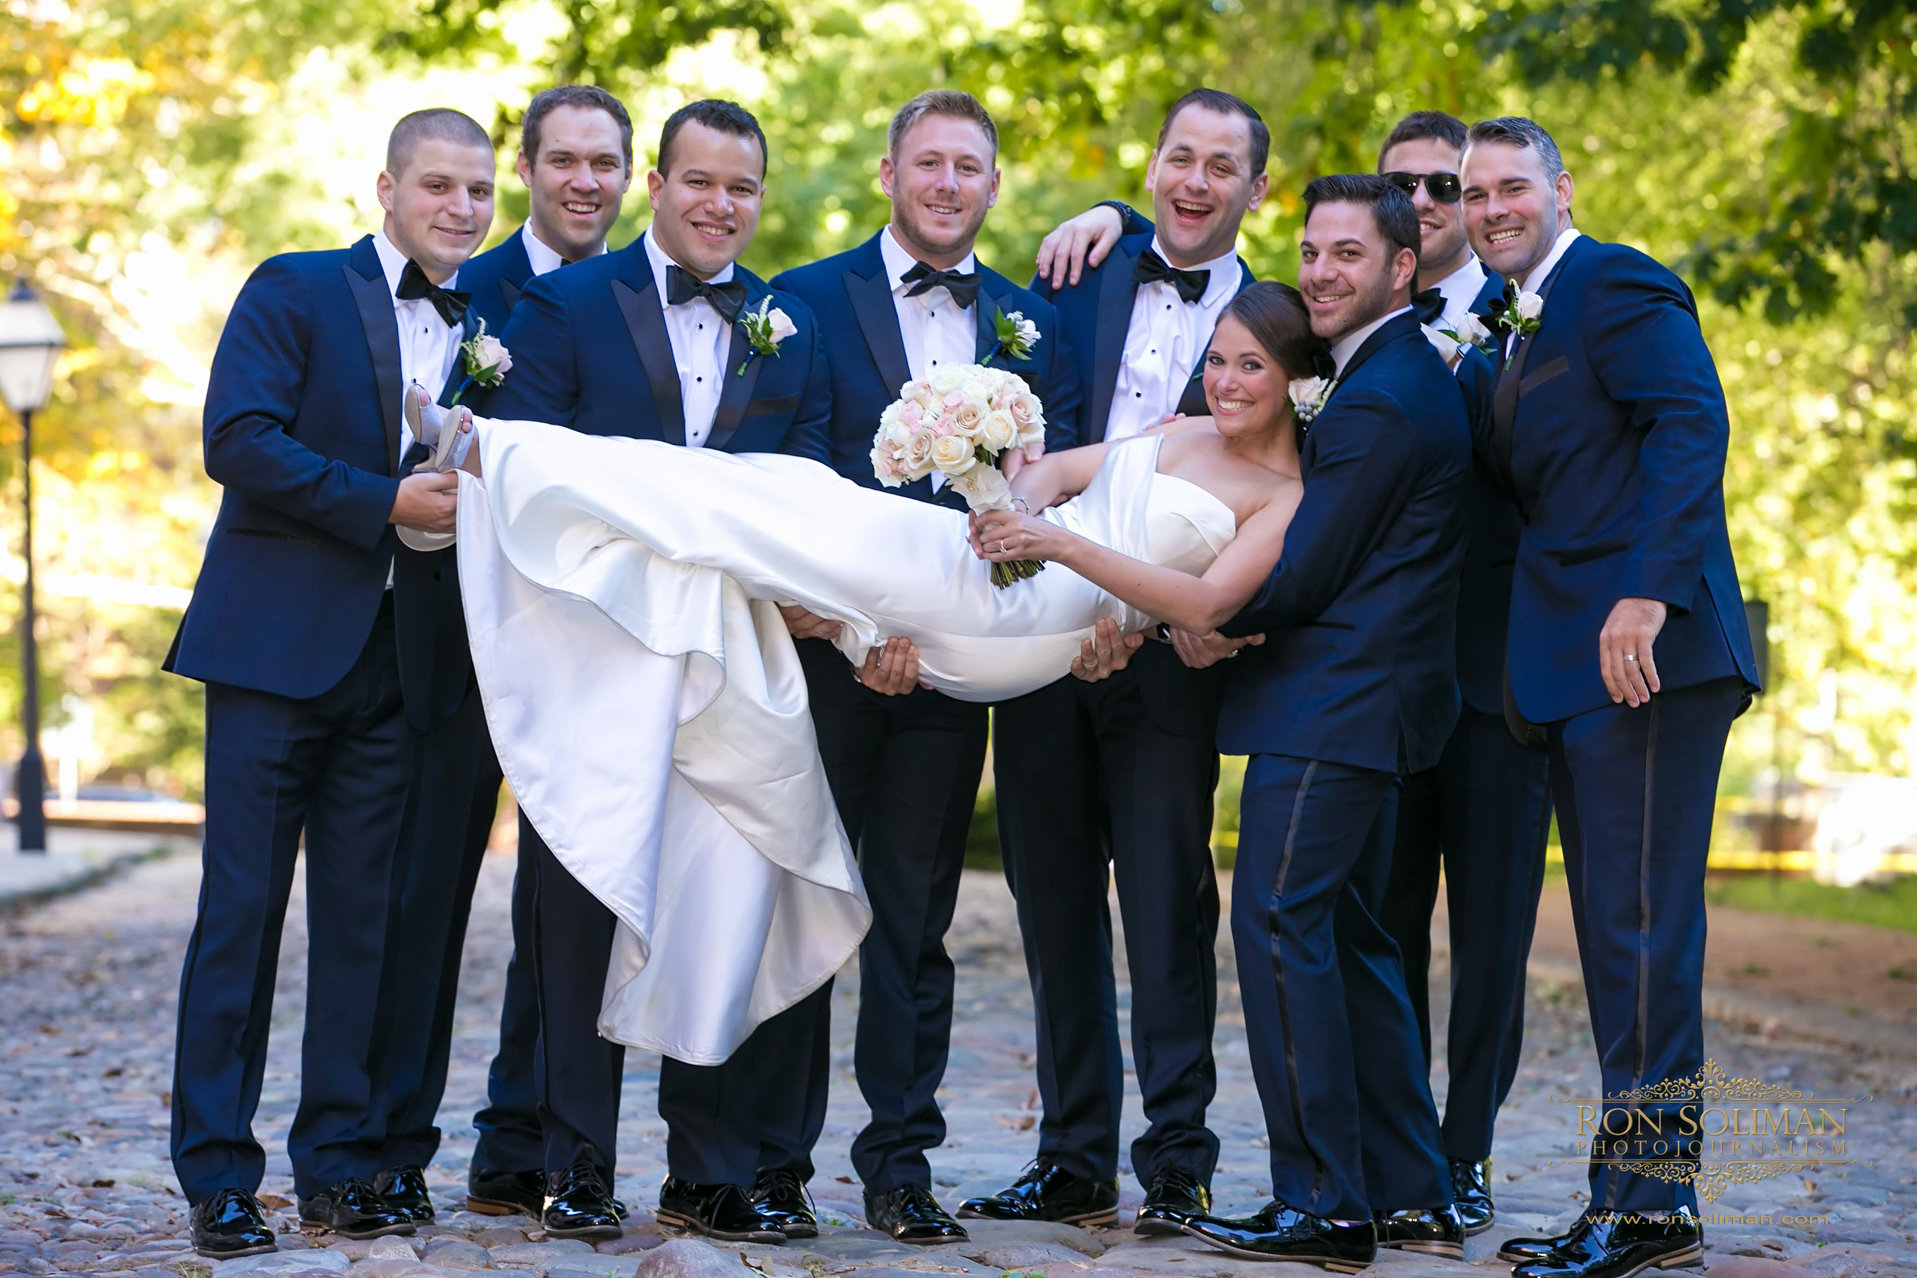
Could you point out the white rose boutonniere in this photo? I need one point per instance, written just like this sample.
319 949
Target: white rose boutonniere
1518 311
765 328
1016 334
1470 331
1308 396
485 359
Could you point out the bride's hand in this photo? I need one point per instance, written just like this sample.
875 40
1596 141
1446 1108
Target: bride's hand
1003 536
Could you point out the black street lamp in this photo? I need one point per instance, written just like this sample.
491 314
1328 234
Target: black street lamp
30 341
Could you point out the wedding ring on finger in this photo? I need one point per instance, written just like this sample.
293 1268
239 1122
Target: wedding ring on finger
1001 547
1630 656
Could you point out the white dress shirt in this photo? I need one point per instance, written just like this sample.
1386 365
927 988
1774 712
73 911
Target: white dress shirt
1345 347
428 347
1460 289
1542 272
1166 339
547 260
937 331
700 341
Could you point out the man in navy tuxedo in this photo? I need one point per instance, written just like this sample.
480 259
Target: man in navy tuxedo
1628 650
576 160
1115 775
309 688
1354 685
1484 812
644 343
908 301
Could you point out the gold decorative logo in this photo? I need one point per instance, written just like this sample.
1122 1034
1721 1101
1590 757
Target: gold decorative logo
1712 1131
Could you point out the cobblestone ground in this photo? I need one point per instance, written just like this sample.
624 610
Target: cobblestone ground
86 1027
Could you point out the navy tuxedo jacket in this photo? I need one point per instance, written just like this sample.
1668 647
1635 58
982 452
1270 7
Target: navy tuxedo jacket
591 351
1484 585
1359 614
1616 452
853 300
302 430
1096 313
495 279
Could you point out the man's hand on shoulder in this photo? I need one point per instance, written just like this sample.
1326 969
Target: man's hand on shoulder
1624 649
1081 242
1201 651
427 502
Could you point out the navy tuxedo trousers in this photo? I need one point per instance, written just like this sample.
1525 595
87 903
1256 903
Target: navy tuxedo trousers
725 1123
1334 1042
1092 787
1483 814
910 843
1636 790
336 767
458 797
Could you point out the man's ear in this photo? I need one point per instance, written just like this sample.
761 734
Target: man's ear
524 168
1259 186
384 189
655 183
888 175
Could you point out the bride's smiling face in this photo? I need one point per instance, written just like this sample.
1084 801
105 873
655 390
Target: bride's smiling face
1244 386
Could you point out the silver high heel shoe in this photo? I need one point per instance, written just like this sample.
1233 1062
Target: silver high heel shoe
438 429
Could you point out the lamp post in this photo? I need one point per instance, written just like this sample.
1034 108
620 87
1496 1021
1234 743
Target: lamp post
30 341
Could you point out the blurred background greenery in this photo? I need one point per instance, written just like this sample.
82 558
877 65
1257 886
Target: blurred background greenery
151 151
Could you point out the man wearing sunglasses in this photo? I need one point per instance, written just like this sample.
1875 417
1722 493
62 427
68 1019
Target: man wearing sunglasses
1483 813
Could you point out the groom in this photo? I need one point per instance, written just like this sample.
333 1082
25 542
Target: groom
646 343
911 299
1353 686
1629 652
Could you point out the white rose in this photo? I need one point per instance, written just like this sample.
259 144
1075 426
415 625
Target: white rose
915 457
945 380
782 325
1027 332
1530 306
1471 329
984 489
892 428
967 416
493 355
954 454
998 432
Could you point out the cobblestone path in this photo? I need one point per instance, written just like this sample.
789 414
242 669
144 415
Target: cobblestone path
87 993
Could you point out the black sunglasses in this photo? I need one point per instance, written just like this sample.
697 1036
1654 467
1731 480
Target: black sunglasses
1443 187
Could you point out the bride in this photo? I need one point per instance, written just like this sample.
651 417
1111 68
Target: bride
648 707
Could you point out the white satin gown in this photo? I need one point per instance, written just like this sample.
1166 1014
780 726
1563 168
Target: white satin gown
650 712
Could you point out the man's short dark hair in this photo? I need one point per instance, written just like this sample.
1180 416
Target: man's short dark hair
1515 130
589 97
953 102
1390 208
1224 104
442 124
1419 125
714 113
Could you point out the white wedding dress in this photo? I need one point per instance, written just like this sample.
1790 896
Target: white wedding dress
649 709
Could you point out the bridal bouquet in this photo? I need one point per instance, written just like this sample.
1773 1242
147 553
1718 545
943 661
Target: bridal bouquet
959 422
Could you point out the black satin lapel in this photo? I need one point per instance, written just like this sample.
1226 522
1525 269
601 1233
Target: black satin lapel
375 302
456 378
984 308
646 321
510 294
737 391
879 321
1116 290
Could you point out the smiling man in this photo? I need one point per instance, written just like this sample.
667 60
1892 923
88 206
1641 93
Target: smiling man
910 300
1628 650
309 689
646 343
575 157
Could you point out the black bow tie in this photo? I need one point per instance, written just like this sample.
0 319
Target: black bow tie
450 304
923 279
728 299
1428 306
1153 269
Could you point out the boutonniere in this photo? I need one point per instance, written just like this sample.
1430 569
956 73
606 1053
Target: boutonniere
1308 396
1518 311
765 328
1469 332
1016 334
486 360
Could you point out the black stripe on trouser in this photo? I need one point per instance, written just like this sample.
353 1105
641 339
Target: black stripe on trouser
1278 974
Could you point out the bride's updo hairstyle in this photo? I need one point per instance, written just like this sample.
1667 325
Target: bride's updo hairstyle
1275 316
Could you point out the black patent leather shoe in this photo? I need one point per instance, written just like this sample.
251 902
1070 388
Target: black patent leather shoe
725 1212
231 1223
352 1208
1173 1197
1520 1250
912 1215
1279 1232
1434 1231
1621 1245
497 1193
781 1195
404 1189
1471 1194
578 1205
1046 1191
